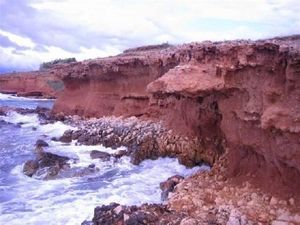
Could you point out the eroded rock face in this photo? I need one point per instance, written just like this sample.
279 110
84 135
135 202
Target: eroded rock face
248 95
242 96
47 84
239 97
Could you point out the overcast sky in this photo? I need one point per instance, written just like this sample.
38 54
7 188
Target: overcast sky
34 31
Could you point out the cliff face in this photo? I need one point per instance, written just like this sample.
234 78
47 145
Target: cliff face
112 86
238 97
39 84
249 95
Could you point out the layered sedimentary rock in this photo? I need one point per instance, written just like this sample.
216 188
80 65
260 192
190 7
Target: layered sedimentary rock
234 105
113 85
239 96
38 84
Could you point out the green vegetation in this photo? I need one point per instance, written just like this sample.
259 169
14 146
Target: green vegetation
48 65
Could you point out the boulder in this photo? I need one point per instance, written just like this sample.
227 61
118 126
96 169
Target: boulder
46 164
30 167
41 143
47 159
120 153
95 154
67 136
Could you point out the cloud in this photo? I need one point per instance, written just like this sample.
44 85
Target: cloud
49 29
6 42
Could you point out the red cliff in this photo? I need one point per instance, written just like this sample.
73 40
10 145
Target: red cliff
37 83
240 98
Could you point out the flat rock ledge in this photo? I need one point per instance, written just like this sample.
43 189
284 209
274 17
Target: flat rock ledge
143 139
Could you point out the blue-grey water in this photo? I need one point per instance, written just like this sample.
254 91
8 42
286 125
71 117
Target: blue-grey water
69 200
27 103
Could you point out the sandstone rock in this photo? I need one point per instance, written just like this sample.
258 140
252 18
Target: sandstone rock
39 83
273 201
189 221
169 185
278 222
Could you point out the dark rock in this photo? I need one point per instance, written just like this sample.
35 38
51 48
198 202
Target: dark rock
67 136
47 159
60 116
120 153
30 167
83 138
2 122
2 112
46 163
146 214
95 154
54 139
76 134
92 166
41 143
87 222
169 185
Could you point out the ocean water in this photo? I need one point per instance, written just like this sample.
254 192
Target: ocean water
27 103
68 200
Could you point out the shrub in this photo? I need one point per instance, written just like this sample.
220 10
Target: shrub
48 65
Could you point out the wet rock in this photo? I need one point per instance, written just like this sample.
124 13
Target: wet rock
47 159
74 172
2 112
92 166
41 143
146 214
169 185
46 164
67 137
120 154
30 167
95 154
87 222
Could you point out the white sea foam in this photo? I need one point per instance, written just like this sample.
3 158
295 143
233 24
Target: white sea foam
31 120
61 200
7 97
56 129
28 120
69 201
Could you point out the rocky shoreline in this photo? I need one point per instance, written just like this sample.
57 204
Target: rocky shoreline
233 105
205 198
144 139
